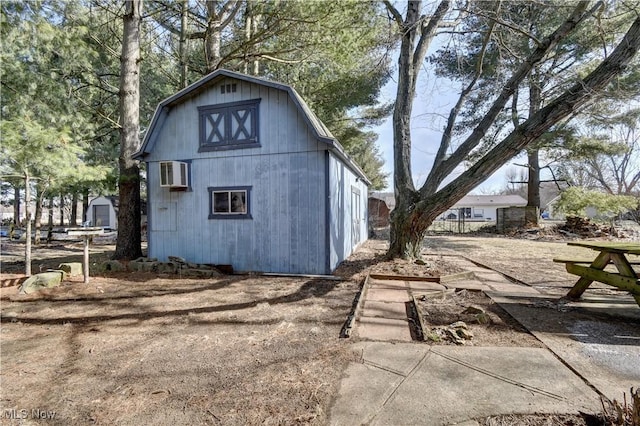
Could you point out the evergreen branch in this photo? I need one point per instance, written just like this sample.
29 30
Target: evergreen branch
274 59
445 142
505 24
394 12
540 122
439 172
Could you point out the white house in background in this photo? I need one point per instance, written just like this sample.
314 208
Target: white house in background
481 207
103 211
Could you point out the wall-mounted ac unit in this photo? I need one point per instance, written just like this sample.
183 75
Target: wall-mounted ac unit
174 174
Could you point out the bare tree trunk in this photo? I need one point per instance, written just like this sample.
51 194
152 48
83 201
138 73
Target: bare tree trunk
184 7
27 214
250 29
38 215
128 244
61 209
213 37
50 222
533 181
85 205
74 209
220 13
16 204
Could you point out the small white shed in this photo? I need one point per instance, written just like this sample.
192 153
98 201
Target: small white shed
103 212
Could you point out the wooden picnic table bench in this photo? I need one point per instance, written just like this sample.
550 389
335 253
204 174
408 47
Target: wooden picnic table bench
615 253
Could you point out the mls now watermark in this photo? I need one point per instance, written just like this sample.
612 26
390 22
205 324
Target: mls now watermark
35 413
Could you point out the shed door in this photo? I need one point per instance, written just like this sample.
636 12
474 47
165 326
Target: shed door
101 216
356 215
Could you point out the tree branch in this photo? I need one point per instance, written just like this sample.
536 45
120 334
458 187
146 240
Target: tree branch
394 12
427 33
540 122
439 173
445 142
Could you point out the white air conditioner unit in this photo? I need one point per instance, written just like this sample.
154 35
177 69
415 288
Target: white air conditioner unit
174 174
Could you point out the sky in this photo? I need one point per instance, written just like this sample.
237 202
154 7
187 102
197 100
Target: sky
434 100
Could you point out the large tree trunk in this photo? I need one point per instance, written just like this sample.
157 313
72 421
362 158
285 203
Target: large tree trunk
407 229
213 36
128 245
533 181
533 153
220 13
251 20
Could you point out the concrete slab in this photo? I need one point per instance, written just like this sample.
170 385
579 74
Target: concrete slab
398 357
390 284
392 310
446 384
425 286
384 329
468 275
467 285
488 275
511 288
604 350
460 383
387 295
472 267
355 394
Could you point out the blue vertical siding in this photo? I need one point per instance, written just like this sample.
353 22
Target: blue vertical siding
341 238
289 222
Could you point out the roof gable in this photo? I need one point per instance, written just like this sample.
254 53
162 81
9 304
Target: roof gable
319 130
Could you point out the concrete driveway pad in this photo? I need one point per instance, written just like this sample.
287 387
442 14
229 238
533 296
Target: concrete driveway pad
391 310
387 295
383 329
447 384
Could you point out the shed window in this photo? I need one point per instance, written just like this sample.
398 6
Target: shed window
230 202
232 125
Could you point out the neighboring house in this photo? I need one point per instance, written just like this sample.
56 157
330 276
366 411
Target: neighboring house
481 207
380 206
240 171
103 211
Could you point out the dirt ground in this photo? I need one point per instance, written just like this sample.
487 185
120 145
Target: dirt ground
147 349
485 322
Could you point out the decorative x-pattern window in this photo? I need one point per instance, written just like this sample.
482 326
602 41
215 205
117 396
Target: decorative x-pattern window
229 126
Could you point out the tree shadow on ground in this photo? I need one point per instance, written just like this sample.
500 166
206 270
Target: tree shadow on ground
310 289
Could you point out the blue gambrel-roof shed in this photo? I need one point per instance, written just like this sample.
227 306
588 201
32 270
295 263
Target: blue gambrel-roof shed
240 171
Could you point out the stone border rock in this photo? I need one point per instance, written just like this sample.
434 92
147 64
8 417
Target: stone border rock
175 266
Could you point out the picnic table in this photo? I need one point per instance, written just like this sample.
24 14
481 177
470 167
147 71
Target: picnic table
616 253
